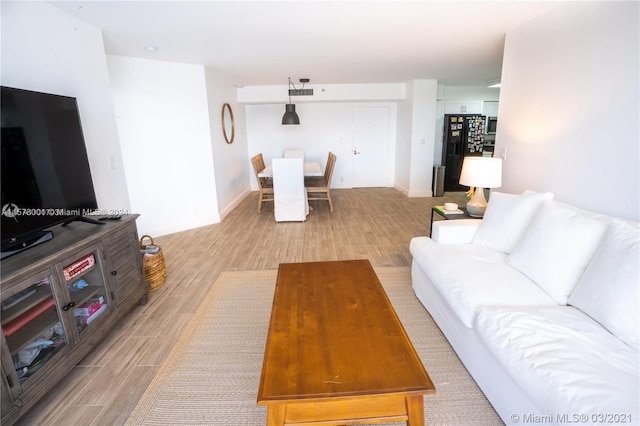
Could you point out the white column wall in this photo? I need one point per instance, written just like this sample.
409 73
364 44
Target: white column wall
163 122
422 137
403 141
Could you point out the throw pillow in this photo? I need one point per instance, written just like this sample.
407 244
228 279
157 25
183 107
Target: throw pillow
609 289
506 219
556 248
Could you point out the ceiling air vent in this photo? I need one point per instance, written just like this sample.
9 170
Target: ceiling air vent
300 92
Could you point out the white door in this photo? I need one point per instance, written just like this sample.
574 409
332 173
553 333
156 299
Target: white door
370 146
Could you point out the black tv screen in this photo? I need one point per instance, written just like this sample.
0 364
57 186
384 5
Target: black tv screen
46 178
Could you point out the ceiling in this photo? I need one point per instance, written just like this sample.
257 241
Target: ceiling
329 42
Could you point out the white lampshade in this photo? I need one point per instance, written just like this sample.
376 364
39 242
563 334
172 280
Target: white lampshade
481 172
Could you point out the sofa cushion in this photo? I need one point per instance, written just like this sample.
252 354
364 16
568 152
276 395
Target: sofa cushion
506 219
556 248
565 361
609 288
469 276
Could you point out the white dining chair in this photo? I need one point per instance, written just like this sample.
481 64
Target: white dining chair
289 192
294 153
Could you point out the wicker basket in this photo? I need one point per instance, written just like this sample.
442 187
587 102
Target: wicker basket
153 264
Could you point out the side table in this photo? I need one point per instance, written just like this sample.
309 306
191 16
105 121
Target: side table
464 215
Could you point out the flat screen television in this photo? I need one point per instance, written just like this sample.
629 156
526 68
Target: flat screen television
46 178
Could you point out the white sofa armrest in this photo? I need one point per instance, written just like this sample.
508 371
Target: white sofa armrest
457 231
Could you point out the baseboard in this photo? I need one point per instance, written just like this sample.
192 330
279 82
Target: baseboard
414 194
234 203
402 189
423 193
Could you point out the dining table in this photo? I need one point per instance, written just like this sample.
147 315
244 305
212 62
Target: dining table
311 168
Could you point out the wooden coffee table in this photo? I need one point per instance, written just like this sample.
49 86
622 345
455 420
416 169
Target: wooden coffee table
336 351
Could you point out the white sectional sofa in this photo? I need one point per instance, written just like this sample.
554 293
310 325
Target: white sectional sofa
540 301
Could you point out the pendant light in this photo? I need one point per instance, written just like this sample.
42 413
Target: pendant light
290 116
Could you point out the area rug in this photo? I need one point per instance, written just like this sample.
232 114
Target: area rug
212 374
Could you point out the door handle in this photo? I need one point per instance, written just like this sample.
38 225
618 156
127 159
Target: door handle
355 151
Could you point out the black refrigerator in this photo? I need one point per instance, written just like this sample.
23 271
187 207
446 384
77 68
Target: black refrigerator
463 136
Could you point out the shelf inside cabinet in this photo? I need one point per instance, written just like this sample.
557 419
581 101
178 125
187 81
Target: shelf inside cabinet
32 330
90 303
81 296
84 321
42 292
45 355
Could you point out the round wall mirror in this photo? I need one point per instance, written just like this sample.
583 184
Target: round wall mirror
228 125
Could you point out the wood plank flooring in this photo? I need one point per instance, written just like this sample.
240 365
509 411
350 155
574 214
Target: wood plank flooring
369 223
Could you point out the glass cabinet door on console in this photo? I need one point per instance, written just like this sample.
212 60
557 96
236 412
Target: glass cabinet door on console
84 282
32 329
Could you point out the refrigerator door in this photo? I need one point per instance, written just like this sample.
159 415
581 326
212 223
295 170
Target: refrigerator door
463 135
475 127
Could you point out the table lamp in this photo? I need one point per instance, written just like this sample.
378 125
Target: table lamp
480 173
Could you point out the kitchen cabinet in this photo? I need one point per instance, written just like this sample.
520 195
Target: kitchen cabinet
463 107
59 300
490 108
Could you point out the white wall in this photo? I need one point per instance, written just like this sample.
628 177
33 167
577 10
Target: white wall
403 141
326 122
323 127
47 50
163 122
422 137
229 160
415 139
327 126
569 107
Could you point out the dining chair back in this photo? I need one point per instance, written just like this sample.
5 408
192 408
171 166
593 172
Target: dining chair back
294 153
290 198
265 185
320 188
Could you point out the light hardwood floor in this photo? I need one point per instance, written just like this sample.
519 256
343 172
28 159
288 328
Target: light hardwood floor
372 223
